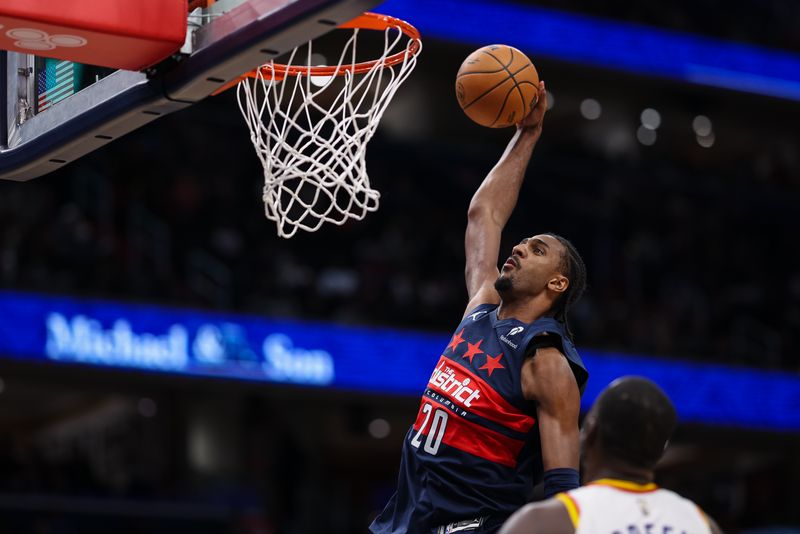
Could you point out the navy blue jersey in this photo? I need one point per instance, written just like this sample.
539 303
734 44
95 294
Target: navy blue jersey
473 450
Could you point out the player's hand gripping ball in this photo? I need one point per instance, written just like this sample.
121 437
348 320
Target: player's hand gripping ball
497 86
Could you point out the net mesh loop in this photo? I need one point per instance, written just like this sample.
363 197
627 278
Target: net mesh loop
311 131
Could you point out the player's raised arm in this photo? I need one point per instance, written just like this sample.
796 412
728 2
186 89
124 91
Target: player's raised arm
548 380
492 204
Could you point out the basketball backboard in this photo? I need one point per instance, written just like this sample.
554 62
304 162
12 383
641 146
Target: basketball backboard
57 111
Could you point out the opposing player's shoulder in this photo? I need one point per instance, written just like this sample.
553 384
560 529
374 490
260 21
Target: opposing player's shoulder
690 505
547 517
712 525
687 508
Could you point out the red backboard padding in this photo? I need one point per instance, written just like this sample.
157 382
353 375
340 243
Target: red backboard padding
121 34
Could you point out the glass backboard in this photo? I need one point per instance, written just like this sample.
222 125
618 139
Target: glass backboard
57 110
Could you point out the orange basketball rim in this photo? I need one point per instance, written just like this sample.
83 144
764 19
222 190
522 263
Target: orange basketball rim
366 21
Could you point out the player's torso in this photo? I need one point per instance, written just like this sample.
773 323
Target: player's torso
613 506
477 381
473 452
473 441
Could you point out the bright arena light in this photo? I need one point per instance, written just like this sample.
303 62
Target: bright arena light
551 99
379 428
702 126
706 141
320 61
646 136
651 119
591 109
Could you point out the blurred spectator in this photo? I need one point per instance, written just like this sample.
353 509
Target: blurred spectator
681 263
770 23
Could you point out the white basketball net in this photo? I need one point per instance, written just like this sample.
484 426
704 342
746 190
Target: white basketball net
311 135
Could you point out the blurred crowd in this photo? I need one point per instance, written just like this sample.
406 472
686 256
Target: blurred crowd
681 262
685 260
771 23
131 471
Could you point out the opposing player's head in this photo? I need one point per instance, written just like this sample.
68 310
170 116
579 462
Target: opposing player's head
545 265
628 427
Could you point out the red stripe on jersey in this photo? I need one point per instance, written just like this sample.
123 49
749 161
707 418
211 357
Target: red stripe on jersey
470 437
471 392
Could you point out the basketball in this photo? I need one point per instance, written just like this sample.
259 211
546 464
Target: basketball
497 86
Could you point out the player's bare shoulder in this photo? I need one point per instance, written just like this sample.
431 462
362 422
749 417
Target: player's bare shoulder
547 370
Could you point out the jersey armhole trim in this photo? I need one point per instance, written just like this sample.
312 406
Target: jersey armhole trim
704 516
572 507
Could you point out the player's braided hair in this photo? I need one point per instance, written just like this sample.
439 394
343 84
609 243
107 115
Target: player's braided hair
574 269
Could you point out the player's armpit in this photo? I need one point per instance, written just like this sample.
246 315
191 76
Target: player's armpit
548 517
548 380
493 202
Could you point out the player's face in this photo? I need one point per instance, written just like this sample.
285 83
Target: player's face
533 267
